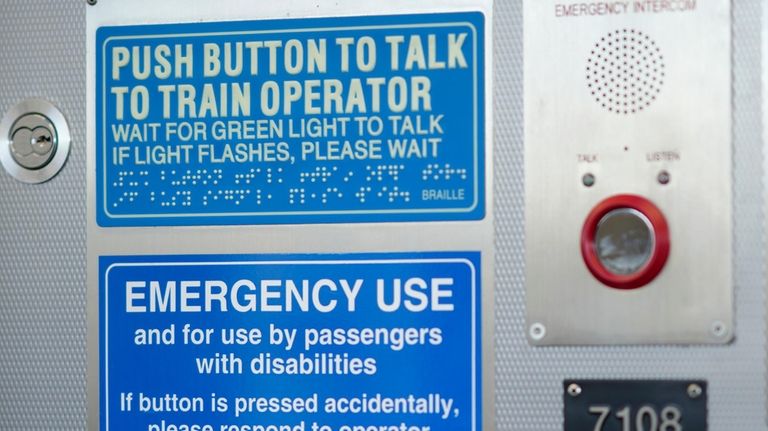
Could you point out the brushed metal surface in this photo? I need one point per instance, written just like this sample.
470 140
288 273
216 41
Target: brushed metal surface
624 98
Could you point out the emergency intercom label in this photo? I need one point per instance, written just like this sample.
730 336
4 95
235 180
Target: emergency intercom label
358 119
290 342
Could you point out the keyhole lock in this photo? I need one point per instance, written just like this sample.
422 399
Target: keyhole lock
34 141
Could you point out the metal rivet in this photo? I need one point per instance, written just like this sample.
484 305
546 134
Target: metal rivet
34 141
92 2
694 390
538 331
719 329
588 180
574 390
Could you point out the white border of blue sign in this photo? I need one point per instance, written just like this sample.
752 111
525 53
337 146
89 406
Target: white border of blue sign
479 171
473 305
131 243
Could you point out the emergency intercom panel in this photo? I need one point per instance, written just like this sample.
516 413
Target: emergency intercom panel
628 172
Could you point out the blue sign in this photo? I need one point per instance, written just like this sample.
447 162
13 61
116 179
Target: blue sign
290 343
357 119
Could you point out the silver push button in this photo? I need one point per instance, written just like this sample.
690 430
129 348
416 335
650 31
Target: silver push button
624 241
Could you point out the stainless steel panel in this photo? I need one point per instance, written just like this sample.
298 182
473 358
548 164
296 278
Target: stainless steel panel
627 98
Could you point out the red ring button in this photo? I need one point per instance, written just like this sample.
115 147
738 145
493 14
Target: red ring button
648 214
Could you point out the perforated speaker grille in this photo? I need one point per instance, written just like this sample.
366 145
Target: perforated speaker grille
625 71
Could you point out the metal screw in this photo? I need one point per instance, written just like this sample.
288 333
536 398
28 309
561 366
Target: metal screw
538 331
588 180
574 390
92 2
664 178
719 329
694 390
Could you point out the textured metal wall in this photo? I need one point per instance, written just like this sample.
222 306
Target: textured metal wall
42 234
42 228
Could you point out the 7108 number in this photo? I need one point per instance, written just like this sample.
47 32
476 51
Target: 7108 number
646 418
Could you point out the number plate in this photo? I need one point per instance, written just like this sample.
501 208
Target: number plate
592 405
